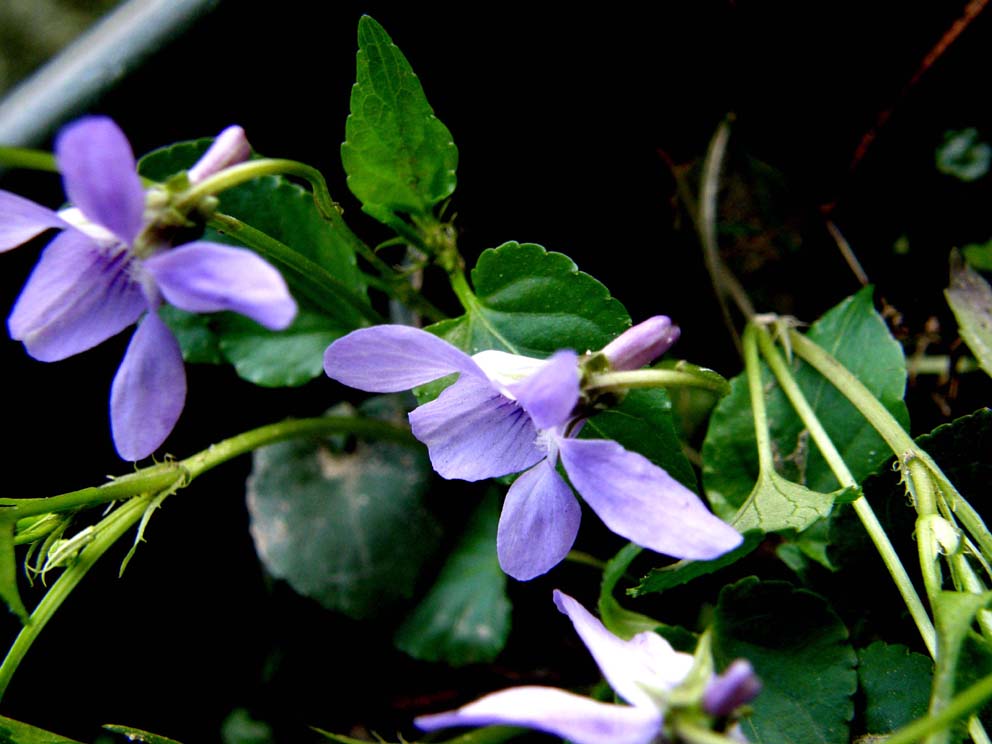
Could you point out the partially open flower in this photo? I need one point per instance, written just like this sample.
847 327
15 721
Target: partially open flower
507 414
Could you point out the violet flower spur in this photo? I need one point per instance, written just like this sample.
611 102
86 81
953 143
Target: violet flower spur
508 413
113 263
644 671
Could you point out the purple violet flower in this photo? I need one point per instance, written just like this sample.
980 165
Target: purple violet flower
108 268
508 413
642 671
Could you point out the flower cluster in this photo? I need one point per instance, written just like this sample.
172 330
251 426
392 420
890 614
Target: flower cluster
506 414
644 671
111 266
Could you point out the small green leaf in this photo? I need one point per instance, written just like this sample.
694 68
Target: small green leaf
196 334
685 571
896 685
15 732
532 302
805 663
134 734
398 155
643 423
465 617
348 529
8 572
284 359
776 504
963 155
970 298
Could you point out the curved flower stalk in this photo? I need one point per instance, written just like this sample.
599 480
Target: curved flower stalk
644 671
113 264
508 413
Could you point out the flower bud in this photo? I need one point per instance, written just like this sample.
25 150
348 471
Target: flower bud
230 148
641 344
737 685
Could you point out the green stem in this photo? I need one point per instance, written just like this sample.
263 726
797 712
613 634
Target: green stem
236 175
108 532
585 559
958 707
844 476
160 477
753 370
459 284
22 157
653 378
319 282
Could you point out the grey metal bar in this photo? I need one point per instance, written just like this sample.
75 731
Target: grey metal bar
99 59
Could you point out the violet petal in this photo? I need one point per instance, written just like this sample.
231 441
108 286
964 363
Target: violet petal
472 432
78 295
641 344
538 524
550 394
390 358
149 390
640 501
21 219
645 660
737 685
99 175
204 277
576 718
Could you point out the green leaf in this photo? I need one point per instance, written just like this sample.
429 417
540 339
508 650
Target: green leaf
134 734
685 571
15 732
8 572
398 155
896 685
805 661
284 359
970 298
954 613
197 335
857 336
963 155
618 620
776 504
643 423
532 302
465 617
348 529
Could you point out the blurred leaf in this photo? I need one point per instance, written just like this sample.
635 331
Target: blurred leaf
979 255
963 155
533 302
465 617
15 732
348 529
398 155
858 338
643 423
896 685
241 728
806 664
970 297
133 734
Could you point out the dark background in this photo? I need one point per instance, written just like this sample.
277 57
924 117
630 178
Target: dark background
560 118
